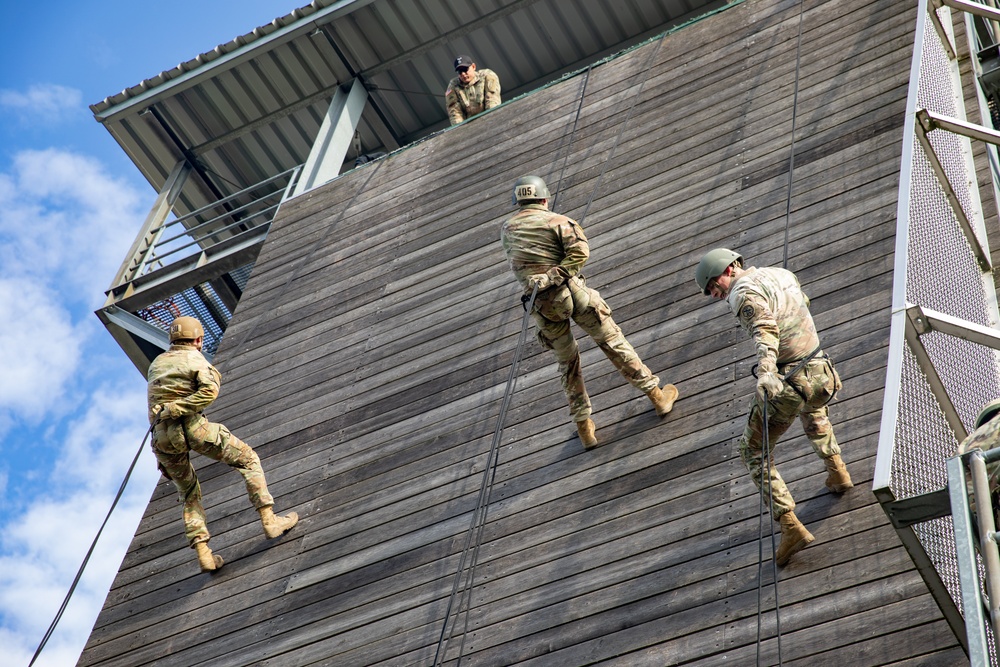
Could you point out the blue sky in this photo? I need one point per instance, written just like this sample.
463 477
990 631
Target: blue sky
72 407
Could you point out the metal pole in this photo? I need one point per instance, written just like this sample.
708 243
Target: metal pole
987 537
968 570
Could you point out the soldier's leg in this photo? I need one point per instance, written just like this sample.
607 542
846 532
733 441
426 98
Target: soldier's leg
819 430
557 337
178 468
781 413
595 318
216 442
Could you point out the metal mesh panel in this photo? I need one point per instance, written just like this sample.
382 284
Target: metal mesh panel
941 275
200 301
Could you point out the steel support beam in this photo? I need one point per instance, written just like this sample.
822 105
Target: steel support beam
928 121
329 150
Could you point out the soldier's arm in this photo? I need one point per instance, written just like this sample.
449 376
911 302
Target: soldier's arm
491 91
758 321
207 381
455 113
576 251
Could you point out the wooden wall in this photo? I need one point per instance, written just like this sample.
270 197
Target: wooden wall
368 358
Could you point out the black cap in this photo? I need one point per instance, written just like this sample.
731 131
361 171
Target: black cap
463 61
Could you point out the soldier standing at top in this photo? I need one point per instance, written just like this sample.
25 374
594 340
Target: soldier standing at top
772 309
548 250
471 92
181 384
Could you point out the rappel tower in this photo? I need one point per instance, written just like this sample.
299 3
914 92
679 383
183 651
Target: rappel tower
341 245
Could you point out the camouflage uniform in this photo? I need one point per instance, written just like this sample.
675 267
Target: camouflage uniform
772 309
182 376
536 241
466 101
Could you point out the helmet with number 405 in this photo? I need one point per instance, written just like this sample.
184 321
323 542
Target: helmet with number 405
529 188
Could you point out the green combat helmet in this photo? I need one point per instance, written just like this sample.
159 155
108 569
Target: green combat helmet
185 328
713 264
529 187
988 412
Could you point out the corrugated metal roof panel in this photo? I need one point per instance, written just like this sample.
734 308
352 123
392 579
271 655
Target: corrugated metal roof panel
251 107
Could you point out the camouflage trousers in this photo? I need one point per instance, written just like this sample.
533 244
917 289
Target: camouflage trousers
552 313
174 439
805 396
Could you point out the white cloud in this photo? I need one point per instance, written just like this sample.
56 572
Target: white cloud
41 347
43 548
47 103
65 221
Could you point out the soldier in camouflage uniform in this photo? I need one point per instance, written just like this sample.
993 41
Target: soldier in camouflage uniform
471 92
181 385
548 250
772 309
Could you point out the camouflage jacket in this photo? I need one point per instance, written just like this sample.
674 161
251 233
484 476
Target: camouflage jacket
536 240
182 376
771 307
466 101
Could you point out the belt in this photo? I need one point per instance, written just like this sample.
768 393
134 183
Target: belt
801 363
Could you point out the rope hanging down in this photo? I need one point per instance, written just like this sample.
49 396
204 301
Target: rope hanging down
791 149
572 136
760 544
474 536
767 447
86 559
475 533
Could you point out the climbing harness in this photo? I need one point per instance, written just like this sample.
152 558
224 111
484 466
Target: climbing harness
474 537
93 545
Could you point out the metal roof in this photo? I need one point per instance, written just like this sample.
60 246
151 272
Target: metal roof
251 108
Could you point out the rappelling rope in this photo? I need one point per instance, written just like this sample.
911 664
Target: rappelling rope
647 67
475 533
766 448
791 149
482 506
93 545
572 136
760 542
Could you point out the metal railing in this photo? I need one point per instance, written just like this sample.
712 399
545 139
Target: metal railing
194 264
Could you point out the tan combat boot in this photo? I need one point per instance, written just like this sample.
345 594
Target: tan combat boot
276 526
208 561
663 399
794 538
586 431
839 480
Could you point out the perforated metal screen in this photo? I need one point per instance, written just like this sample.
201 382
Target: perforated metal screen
937 271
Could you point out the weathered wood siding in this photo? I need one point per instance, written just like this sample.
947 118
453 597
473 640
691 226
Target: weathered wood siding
368 358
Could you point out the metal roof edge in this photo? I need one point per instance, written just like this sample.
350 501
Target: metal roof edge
237 50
